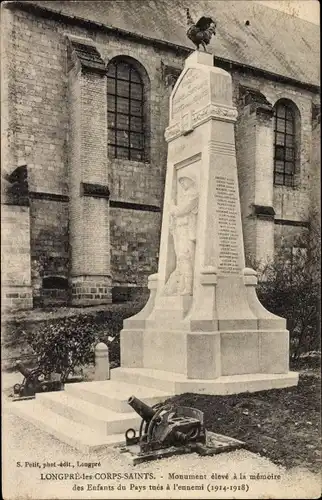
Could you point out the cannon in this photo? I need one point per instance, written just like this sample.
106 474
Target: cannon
167 429
35 380
164 426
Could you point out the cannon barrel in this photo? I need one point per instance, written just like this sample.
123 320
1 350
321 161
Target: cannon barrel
23 370
145 411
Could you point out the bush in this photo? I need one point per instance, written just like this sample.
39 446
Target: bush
291 288
66 344
62 347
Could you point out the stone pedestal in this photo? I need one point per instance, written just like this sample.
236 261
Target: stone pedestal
203 322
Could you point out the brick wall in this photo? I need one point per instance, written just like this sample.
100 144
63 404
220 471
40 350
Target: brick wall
6 68
38 112
135 246
315 175
246 155
40 132
37 131
49 245
15 257
291 204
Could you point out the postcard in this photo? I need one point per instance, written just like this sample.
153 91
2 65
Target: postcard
160 249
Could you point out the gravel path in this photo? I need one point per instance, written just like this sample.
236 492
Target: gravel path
23 442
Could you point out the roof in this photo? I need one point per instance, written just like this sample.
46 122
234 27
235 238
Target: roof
273 41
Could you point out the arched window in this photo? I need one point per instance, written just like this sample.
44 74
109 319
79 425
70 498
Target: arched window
125 96
284 145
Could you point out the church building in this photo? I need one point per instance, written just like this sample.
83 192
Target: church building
84 106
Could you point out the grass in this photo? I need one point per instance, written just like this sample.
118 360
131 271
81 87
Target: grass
281 424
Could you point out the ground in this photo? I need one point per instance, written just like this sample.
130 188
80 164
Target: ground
23 442
281 429
281 424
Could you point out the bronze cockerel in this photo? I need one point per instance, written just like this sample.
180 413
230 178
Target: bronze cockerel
200 33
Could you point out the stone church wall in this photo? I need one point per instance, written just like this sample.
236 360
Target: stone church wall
49 249
15 258
39 131
291 204
38 134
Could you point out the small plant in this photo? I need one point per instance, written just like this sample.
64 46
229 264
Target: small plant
61 347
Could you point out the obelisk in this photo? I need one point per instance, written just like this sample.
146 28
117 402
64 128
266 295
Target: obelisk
203 326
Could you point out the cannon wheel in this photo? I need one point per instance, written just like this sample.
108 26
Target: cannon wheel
41 381
32 383
153 422
155 419
16 388
157 407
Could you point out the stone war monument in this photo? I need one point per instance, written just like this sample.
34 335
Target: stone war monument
203 328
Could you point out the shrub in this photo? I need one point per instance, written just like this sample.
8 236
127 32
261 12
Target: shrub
291 289
61 347
64 344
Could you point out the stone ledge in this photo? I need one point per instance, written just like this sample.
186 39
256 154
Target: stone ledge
86 54
38 315
180 384
95 190
210 112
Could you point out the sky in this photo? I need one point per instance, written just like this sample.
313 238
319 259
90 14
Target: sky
306 9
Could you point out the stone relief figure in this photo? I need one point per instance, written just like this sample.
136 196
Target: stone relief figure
183 225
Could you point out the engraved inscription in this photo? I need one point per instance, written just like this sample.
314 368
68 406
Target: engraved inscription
226 197
223 148
220 91
193 90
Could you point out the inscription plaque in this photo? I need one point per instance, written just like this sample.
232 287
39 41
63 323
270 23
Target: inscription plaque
226 209
220 92
193 92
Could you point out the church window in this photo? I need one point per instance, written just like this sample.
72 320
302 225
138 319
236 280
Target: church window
285 154
125 97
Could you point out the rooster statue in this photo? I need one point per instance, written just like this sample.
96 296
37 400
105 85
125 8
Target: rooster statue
200 33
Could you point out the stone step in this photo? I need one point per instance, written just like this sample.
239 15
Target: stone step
98 418
148 378
114 395
76 435
177 383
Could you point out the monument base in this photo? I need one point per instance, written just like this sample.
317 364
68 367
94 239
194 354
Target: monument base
221 357
206 355
177 383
